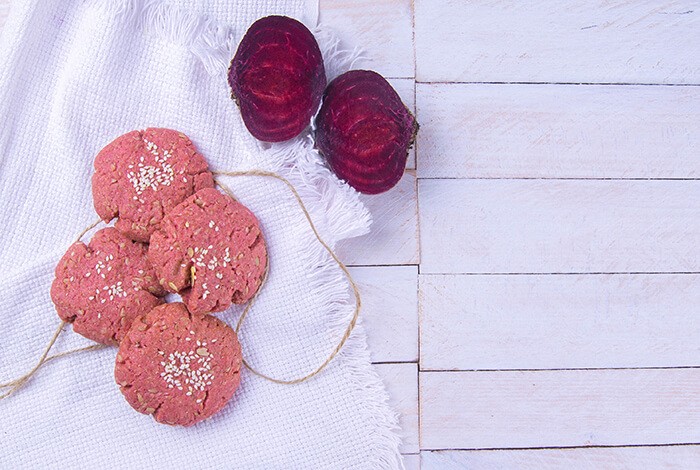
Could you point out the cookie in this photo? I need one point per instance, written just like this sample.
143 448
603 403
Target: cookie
101 287
179 367
211 251
142 175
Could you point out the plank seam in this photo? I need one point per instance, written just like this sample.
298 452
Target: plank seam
561 369
598 446
556 83
592 273
556 178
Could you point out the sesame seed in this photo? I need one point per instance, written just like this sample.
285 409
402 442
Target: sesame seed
178 367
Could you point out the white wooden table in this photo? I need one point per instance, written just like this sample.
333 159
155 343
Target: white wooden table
549 314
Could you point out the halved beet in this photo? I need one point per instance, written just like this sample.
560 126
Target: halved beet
277 78
364 131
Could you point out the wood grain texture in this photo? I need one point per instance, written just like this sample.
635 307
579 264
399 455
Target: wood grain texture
597 458
576 226
401 381
565 131
389 311
558 41
393 238
412 461
559 321
383 29
490 410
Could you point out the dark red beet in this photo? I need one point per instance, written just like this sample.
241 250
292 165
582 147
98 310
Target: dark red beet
277 78
364 131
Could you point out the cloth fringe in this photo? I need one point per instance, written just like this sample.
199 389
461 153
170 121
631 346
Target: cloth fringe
333 205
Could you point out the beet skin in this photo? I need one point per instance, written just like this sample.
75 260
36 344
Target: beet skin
277 78
364 131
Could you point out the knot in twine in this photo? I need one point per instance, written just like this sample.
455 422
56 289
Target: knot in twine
19 382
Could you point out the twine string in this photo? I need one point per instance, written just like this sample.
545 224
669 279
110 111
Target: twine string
19 382
356 291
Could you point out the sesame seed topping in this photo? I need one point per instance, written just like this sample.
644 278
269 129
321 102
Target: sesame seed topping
179 372
150 176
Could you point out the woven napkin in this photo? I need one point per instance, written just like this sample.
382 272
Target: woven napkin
75 75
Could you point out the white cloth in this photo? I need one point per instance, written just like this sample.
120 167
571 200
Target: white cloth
73 76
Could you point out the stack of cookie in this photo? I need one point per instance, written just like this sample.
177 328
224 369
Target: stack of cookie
173 233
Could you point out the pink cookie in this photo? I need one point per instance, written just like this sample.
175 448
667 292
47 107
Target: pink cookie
179 367
212 245
142 175
103 286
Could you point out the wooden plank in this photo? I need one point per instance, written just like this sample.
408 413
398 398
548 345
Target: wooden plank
389 311
558 41
401 381
393 238
406 88
545 131
596 458
572 226
382 29
411 461
591 321
491 410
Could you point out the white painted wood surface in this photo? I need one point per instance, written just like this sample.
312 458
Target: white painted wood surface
390 311
393 238
383 29
596 458
401 381
559 321
564 131
590 41
491 410
412 461
577 226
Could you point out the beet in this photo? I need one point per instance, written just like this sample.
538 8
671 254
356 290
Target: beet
277 78
364 131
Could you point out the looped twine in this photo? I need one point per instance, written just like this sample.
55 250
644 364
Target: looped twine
19 382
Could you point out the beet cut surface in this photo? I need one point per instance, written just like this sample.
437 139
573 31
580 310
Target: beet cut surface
364 131
277 78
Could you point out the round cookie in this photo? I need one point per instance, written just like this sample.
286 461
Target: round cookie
101 287
142 175
179 367
210 250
